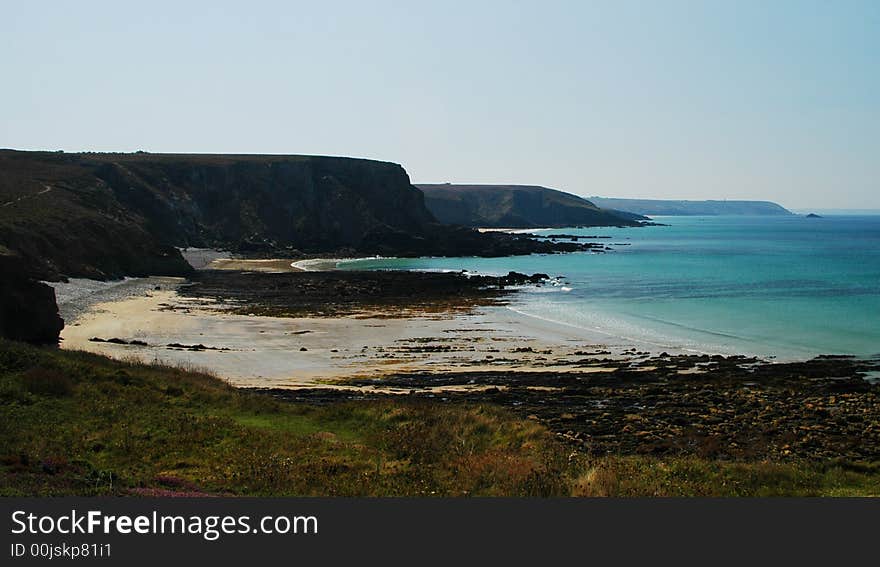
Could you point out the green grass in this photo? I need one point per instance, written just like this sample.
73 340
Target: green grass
76 423
690 476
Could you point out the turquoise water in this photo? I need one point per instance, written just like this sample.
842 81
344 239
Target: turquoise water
789 287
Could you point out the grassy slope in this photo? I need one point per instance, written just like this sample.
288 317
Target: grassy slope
74 423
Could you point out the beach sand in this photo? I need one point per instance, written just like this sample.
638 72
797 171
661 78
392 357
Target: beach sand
281 352
210 259
271 266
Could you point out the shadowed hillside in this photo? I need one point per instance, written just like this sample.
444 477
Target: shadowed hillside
516 206
109 215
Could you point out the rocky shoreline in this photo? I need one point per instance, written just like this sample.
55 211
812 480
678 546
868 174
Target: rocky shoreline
340 293
728 408
626 402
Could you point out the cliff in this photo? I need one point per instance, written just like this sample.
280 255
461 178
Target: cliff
664 207
110 215
516 206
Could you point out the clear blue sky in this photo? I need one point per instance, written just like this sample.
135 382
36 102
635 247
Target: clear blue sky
772 99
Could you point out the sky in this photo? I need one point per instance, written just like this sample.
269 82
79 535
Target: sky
766 100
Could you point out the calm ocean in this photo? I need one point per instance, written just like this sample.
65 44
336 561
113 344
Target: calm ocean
790 287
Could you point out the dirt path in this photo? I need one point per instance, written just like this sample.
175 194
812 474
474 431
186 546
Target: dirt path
14 201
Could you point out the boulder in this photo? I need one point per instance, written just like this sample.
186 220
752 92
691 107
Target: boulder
28 311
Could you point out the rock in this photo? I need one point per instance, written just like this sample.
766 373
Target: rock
28 311
118 341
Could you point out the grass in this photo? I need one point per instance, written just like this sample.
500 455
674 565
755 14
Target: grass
77 423
691 476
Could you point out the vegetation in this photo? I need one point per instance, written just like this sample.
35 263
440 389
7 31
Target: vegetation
517 206
692 476
76 423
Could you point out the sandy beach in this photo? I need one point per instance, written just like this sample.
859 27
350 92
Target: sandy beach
288 352
590 390
210 259
295 352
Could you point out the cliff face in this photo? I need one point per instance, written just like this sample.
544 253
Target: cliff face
664 207
266 202
107 215
516 206
110 215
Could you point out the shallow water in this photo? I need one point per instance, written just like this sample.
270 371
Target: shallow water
790 287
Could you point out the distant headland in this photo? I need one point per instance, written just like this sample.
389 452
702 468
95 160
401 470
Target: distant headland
677 207
517 206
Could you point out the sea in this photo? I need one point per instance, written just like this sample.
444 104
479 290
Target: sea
784 287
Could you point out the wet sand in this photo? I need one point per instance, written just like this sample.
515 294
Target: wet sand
212 259
270 266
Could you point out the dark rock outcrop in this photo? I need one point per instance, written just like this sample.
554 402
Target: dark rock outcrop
344 292
28 311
